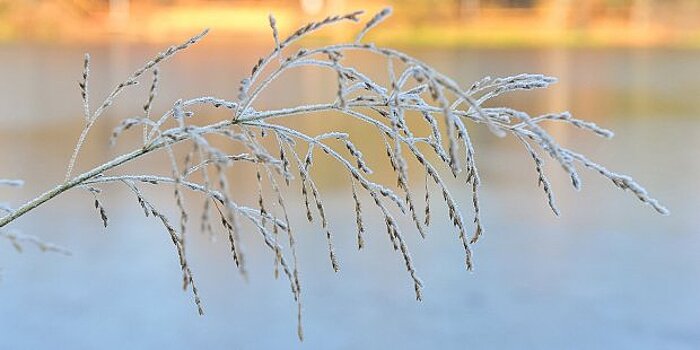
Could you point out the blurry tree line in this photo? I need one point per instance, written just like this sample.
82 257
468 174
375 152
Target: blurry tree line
644 16
456 4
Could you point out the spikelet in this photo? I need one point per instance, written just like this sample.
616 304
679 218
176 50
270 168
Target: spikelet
230 219
83 84
427 201
313 26
232 237
181 255
285 163
622 181
139 197
125 125
152 92
304 180
548 144
361 164
275 33
358 216
98 205
399 244
542 179
399 166
378 18
334 57
581 124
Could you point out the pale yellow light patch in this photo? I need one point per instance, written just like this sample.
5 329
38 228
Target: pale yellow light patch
224 19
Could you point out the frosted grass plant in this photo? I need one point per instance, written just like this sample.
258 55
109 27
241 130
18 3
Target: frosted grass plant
284 157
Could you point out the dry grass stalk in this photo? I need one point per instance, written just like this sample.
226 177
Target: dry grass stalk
83 84
417 92
17 240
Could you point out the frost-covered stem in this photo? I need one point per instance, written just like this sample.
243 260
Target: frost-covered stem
78 145
80 179
132 80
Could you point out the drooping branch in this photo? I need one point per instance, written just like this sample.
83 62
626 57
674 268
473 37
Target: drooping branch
415 93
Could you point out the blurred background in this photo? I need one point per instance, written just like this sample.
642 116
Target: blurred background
609 273
419 22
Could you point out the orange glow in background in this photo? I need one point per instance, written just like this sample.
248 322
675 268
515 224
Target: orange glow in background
641 23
